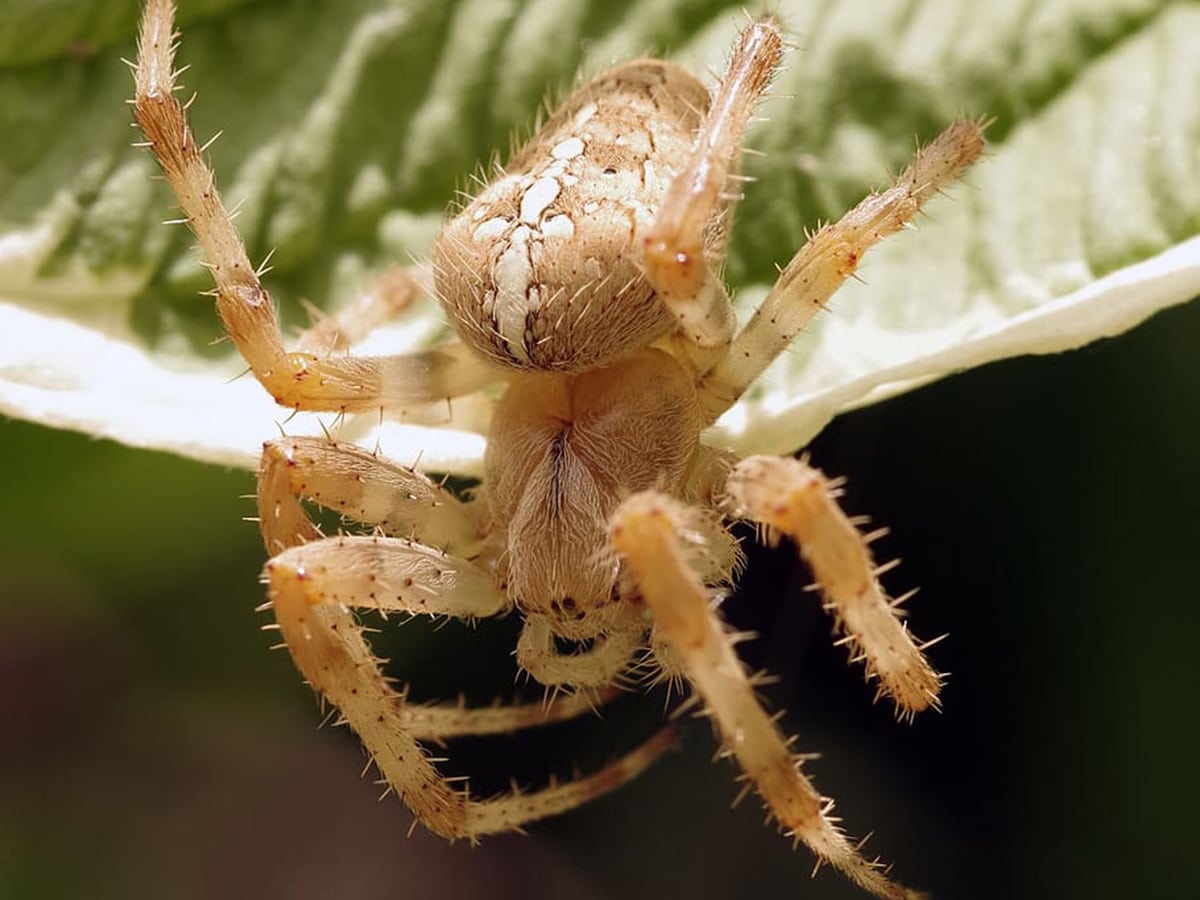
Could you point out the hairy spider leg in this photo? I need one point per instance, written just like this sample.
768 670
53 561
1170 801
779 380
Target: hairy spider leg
436 722
791 497
646 531
329 649
399 500
313 586
830 256
296 380
694 214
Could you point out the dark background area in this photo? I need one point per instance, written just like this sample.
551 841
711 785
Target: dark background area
1049 508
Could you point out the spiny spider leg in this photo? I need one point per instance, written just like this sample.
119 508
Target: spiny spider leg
328 647
795 499
438 721
296 380
313 586
646 531
693 217
400 501
370 489
830 256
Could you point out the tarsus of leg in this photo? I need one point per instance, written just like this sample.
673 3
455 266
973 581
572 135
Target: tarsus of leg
674 248
644 532
829 257
795 499
295 380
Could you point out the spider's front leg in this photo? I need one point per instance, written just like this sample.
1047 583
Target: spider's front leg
648 532
791 497
300 380
312 602
691 223
692 219
314 583
830 256
360 485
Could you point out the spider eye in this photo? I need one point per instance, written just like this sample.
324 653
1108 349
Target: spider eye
610 171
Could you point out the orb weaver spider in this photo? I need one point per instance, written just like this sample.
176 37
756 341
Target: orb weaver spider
586 279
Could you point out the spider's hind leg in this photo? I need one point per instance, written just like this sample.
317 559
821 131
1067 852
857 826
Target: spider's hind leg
830 256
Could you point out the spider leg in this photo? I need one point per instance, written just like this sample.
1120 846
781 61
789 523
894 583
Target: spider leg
599 666
296 380
400 501
693 216
313 585
792 497
830 256
438 721
383 298
327 644
646 531
356 483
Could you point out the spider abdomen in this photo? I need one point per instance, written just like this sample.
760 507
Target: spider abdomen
539 271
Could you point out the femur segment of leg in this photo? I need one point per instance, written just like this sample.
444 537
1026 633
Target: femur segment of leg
296 380
645 532
367 488
830 256
691 219
393 575
792 498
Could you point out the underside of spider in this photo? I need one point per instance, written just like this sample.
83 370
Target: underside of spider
585 279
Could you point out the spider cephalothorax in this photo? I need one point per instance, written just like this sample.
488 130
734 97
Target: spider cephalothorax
584 280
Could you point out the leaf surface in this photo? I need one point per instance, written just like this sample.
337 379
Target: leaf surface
347 128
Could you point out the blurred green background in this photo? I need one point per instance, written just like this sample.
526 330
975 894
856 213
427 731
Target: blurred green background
1048 507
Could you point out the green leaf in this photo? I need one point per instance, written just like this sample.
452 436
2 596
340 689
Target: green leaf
348 127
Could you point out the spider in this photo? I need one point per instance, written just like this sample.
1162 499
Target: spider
585 279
